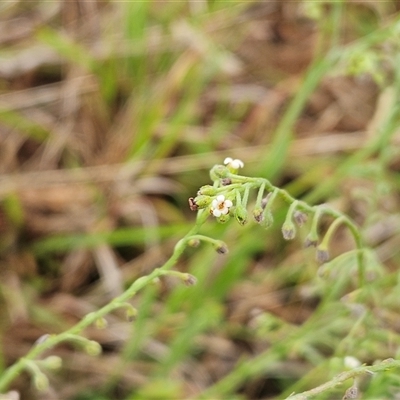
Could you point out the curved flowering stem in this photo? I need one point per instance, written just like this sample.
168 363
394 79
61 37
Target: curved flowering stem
217 200
230 187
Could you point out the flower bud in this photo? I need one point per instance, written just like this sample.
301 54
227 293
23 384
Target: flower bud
232 164
258 214
224 218
193 242
300 217
40 381
351 362
218 171
241 214
207 190
351 393
101 323
311 240
155 281
288 230
322 254
221 247
267 219
93 348
52 362
265 200
130 312
226 181
189 280
202 201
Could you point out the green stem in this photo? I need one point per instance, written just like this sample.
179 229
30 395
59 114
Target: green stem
313 210
260 194
331 230
246 195
292 209
14 370
344 376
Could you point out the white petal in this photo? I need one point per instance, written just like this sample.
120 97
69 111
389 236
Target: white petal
217 213
237 164
351 362
228 203
220 198
214 203
241 163
228 160
225 210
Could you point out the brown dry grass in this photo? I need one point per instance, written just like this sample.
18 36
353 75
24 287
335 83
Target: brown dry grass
73 161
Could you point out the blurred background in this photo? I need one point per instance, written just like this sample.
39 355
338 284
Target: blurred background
112 114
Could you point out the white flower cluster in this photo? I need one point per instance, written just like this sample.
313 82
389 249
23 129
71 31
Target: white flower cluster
234 164
220 206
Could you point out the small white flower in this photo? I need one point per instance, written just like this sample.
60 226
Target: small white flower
234 164
220 206
351 362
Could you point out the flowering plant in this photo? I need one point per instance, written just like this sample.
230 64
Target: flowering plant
229 195
226 198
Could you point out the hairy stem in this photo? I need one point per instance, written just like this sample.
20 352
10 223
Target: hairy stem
238 183
344 376
52 340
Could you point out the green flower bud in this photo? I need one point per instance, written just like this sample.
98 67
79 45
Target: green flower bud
131 312
93 348
193 242
288 230
224 218
226 181
101 323
40 381
52 362
241 214
218 171
221 247
189 280
267 219
207 190
266 199
202 201
300 217
311 240
322 254
258 214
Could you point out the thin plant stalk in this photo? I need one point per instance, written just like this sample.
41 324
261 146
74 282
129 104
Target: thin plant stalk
53 340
